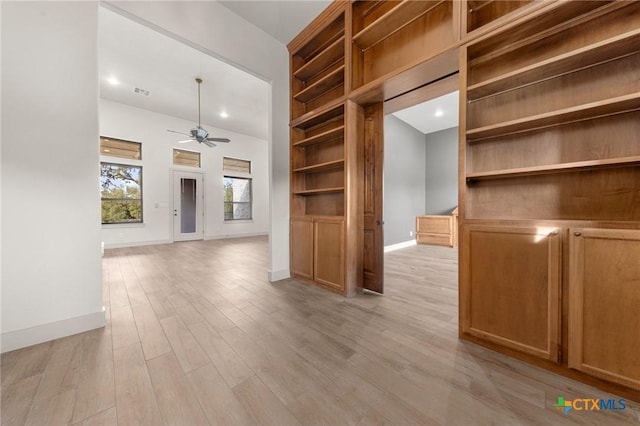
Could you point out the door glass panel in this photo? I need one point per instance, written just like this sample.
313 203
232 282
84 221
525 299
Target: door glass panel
187 205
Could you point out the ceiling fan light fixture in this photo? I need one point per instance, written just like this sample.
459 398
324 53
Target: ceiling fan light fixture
198 133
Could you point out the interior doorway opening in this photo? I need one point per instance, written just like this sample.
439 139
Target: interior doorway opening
420 178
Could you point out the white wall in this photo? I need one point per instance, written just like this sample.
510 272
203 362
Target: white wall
441 164
129 123
211 27
404 180
50 209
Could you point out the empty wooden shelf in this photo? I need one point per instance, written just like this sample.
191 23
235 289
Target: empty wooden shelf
400 14
556 168
618 105
581 58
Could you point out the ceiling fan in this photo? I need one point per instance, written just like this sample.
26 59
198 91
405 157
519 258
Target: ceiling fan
199 134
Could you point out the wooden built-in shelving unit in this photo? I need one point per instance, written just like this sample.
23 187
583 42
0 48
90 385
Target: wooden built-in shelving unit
549 167
324 160
318 69
317 162
550 137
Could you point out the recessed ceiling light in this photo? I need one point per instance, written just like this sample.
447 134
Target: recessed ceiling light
439 113
107 150
113 81
224 114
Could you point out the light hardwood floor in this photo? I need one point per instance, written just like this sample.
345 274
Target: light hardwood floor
197 335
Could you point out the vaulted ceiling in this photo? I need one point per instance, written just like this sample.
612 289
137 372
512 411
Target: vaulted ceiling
146 69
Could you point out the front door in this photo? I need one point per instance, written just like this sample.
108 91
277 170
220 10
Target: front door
187 206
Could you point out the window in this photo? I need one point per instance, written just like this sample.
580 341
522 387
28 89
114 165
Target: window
235 165
121 192
237 198
186 158
120 148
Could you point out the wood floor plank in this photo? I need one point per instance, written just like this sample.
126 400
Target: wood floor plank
217 400
152 337
61 373
263 406
53 411
123 327
96 391
118 296
231 367
23 363
176 400
17 398
105 418
214 317
188 314
135 397
160 303
185 346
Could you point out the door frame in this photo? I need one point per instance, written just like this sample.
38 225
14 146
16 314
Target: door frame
373 137
173 173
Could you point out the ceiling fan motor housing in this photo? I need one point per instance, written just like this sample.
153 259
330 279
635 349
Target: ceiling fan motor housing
199 133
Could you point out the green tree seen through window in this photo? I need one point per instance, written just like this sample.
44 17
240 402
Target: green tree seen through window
121 193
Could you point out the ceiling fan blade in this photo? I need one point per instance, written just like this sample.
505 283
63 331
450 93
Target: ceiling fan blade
225 140
180 133
186 141
209 144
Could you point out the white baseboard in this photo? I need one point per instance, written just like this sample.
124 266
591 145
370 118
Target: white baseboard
135 244
282 274
223 237
43 333
399 246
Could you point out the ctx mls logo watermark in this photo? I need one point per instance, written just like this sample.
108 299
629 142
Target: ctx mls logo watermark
588 404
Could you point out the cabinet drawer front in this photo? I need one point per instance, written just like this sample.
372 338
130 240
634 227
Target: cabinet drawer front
604 304
434 224
435 239
510 288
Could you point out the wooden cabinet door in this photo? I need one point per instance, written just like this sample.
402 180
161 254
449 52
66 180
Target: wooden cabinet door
302 247
510 287
604 304
329 252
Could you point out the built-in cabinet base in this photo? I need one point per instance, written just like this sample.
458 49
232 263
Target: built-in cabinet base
523 309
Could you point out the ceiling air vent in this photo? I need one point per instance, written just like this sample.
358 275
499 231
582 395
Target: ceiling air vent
141 91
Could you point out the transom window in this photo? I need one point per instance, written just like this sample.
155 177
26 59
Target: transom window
186 158
120 148
236 165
